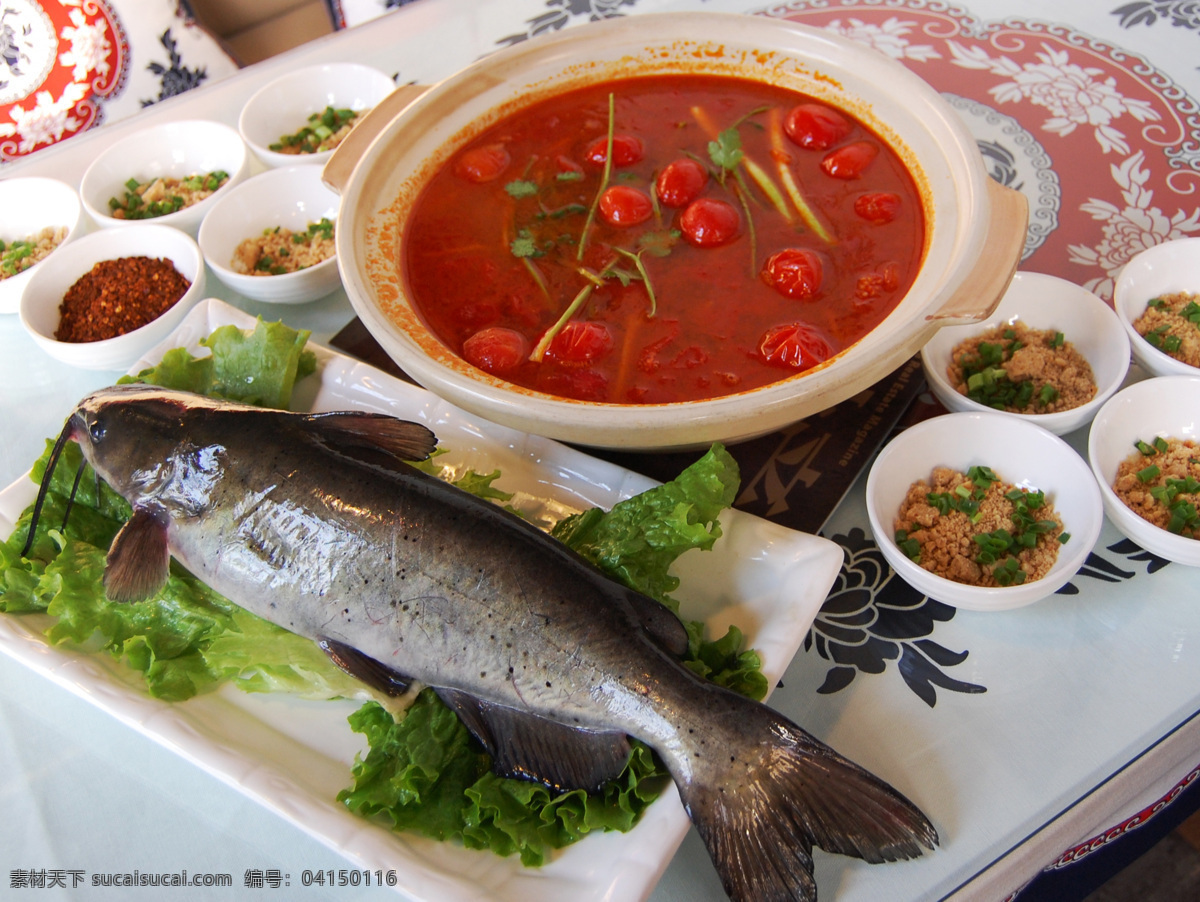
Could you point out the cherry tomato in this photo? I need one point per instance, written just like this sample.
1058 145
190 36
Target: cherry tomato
795 346
627 150
878 207
815 126
681 182
580 342
624 206
482 164
794 272
707 222
496 349
850 161
580 383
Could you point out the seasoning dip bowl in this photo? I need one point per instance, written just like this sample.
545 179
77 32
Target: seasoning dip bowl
1166 407
292 197
282 107
1022 454
1042 302
43 296
27 206
171 150
1167 268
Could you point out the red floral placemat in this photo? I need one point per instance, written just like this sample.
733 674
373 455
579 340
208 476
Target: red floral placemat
1104 145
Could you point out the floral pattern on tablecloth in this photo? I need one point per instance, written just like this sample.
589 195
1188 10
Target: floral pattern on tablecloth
1179 13
1125 138
872 616
69 65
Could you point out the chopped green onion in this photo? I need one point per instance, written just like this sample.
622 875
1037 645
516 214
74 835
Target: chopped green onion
909 546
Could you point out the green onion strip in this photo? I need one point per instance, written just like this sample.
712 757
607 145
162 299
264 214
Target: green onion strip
608 148
580 299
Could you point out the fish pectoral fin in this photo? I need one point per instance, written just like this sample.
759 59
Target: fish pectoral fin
660 624
350 429
138 560
363 667
527 746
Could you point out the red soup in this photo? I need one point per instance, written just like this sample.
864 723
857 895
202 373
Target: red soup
670 238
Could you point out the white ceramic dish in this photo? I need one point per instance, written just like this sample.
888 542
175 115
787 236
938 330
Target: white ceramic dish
44 293
1167 407
975 228
294 756
1042 302
291 197
1163 269
1022 454
172 149
28 205
282 107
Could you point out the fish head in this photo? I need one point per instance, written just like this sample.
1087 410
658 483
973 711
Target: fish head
128 432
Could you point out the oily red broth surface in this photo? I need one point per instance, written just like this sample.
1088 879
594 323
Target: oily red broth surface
682 292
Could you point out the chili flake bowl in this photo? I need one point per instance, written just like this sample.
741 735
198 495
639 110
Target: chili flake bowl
43 296
1042 302
293 198
1166 268
283 106
175 150
27 206
1022 454
1163 407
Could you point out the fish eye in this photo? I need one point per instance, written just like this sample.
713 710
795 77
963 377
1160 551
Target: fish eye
96 431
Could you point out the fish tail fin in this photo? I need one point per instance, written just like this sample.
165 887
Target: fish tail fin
761 813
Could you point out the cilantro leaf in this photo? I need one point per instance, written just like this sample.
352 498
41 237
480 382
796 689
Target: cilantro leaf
524 245
726 152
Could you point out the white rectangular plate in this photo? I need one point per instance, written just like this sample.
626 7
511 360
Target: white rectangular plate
293 756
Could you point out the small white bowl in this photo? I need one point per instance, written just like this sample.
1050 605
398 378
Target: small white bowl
1169 407
173 149
43 296
282 107
1042 302
293 198
28 205
1163 269
1021 453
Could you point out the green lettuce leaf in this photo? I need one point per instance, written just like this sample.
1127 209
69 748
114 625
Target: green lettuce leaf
258 656
640 538
427 774
258 367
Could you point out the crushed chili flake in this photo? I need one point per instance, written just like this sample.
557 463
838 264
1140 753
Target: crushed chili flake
118 296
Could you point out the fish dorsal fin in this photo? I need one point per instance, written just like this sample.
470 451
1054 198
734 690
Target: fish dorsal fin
365 668
138 559
661 625
350 429
530 747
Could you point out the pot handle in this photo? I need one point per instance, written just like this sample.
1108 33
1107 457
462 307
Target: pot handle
985 284
339 166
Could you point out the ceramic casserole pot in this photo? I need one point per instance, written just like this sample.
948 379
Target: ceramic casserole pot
975 228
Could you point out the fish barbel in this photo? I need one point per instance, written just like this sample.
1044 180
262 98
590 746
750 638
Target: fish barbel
317 523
